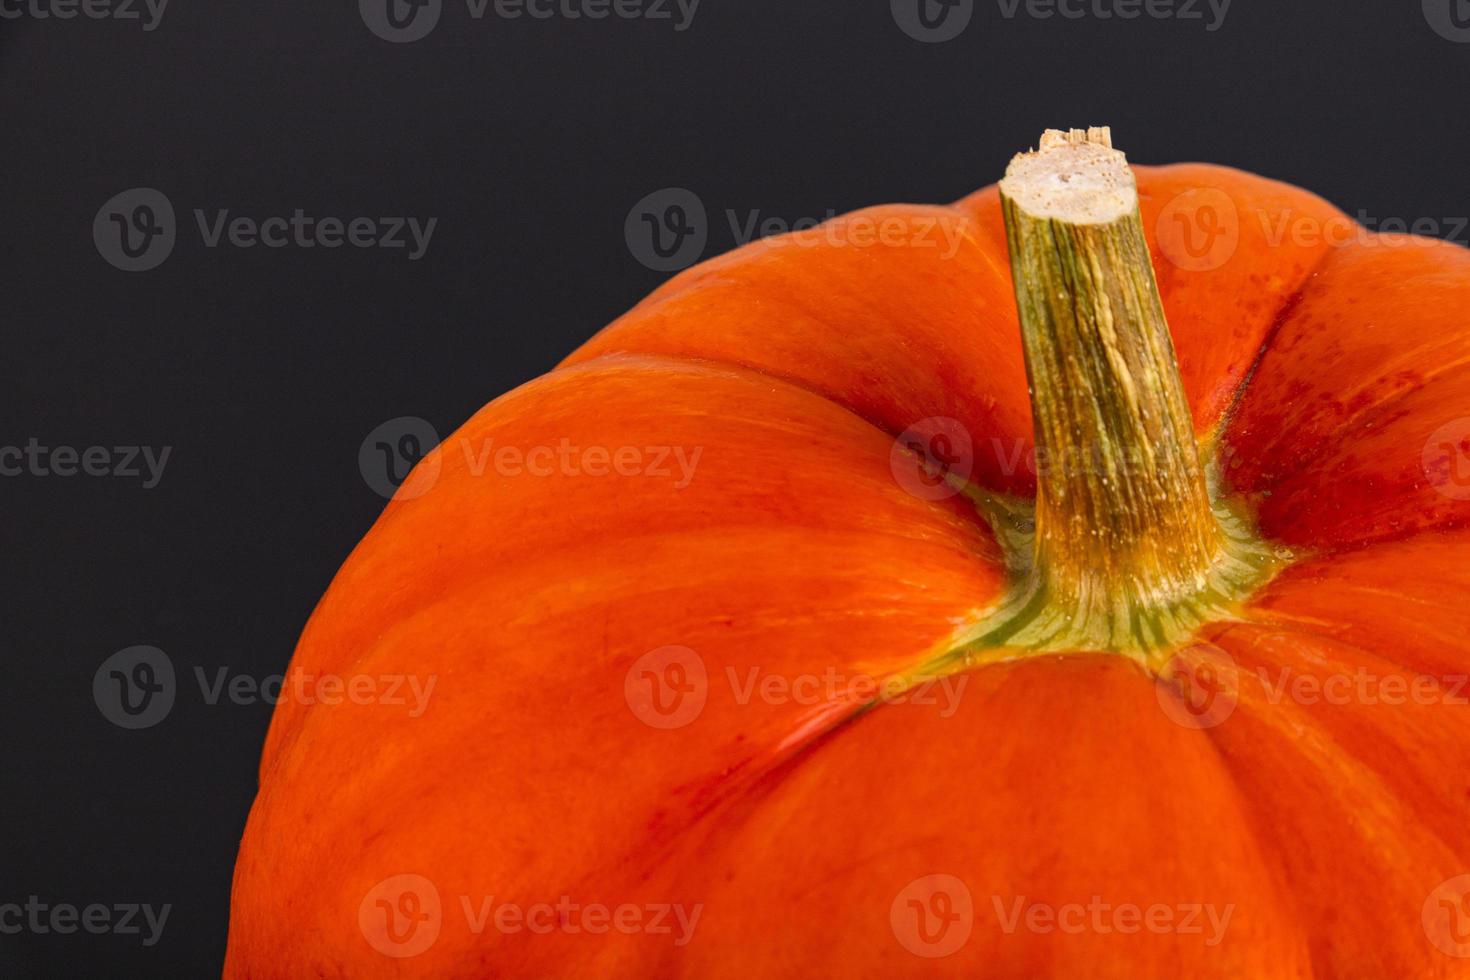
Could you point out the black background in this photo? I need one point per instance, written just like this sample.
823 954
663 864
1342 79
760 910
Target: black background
530 141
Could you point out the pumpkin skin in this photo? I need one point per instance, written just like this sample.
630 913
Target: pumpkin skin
798 826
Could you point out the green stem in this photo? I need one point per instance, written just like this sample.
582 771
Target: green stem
1129 547
1122 510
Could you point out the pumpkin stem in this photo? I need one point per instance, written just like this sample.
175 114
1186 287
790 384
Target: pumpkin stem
1123 516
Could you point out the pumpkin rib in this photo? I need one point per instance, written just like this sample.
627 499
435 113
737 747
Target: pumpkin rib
1286 894
1343 404
891 355
1216 310
1405 760
1290 521
847 858
693 359
1364 593
400 521
1290 766
756 368
1283 313
385 648
562 625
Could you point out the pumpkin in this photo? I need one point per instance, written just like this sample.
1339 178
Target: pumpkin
1069 581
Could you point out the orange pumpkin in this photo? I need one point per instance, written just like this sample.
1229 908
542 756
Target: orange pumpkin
747 715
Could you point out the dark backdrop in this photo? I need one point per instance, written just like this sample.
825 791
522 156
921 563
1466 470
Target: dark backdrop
262 370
